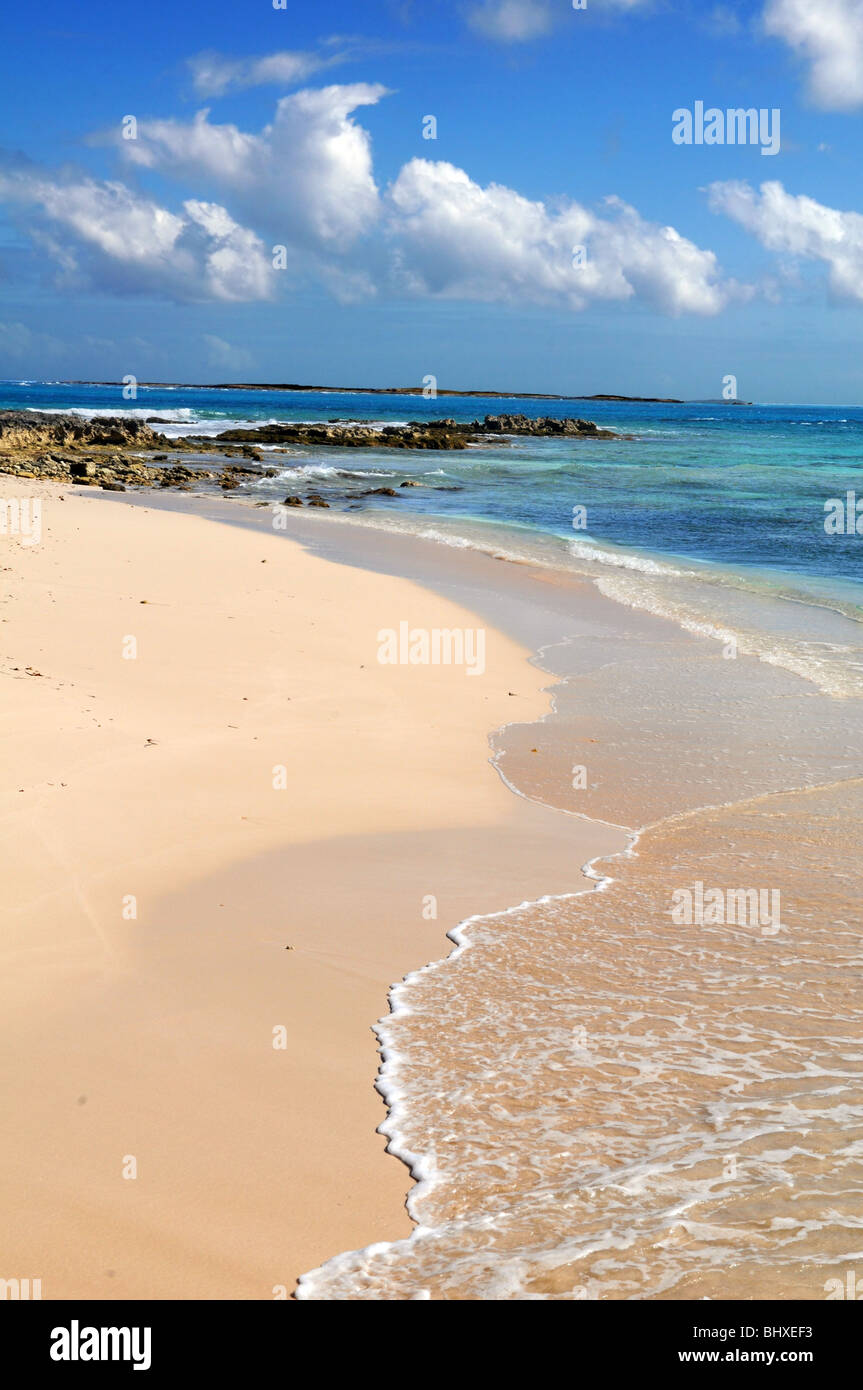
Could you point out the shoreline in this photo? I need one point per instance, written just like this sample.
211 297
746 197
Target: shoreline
123 984
388 1084
601 673
460 1132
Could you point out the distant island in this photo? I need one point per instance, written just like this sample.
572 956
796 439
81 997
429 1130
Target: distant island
382 391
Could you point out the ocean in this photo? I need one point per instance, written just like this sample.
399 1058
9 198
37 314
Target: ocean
653 1089
706 513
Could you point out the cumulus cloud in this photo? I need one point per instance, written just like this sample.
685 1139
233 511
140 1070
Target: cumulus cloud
799 227
459 240
307 177
829 35
307 183
517 21
108 236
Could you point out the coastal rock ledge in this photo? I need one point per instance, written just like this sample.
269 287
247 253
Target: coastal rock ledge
116 452
29 429
416 434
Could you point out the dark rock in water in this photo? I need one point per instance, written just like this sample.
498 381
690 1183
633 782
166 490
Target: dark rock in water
157 458
409 482
545 425
317 502
380 492
293 502
418 434
249 453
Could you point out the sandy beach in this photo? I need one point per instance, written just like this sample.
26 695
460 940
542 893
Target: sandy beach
227 831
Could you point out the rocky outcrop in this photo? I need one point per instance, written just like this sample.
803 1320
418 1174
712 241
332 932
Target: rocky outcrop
109 471
29 429
346 436
546 425
417 434
69 449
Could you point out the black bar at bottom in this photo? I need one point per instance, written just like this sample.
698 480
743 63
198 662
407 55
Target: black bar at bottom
218 1339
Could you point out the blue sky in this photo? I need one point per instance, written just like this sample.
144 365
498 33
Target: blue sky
302 128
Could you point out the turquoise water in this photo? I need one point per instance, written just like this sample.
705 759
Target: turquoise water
742 485
703 512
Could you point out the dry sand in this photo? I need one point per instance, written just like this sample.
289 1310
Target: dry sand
146 1042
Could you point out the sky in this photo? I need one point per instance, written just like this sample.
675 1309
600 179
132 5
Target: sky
496 193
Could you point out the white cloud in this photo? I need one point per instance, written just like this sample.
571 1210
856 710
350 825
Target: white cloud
459 240
106 235
799 227
306 181
213 74
307 177
233 261
829 34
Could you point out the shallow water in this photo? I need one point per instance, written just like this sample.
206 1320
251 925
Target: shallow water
603 1102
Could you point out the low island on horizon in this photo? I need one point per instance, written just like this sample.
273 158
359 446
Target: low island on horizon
385 391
